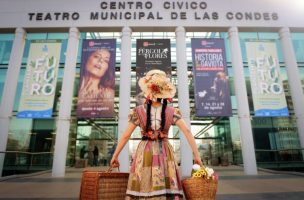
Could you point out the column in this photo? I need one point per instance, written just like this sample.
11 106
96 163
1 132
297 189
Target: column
66 100
10 88
294 80
124 95
248 152
183 99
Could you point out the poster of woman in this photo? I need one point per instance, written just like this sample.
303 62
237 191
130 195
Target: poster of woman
96 90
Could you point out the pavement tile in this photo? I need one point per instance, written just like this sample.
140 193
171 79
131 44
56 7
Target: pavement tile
233 185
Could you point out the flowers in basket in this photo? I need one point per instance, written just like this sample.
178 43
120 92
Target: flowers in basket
203 172
202 184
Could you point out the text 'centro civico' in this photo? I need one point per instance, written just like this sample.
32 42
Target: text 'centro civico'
138 10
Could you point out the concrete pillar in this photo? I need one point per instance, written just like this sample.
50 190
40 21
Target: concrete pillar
294 80
10 88
248 152
124 95
183 99
66 100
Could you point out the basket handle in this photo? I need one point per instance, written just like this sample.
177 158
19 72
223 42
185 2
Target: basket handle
111 169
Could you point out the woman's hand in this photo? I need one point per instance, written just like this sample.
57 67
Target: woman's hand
197 160
114 162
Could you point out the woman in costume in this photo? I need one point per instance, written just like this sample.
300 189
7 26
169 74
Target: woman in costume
154 171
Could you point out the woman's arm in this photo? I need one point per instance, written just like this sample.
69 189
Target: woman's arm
183 127
122 142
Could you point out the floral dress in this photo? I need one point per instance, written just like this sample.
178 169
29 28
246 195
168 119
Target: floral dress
154 173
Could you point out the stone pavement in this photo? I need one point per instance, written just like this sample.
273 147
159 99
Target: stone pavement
233 185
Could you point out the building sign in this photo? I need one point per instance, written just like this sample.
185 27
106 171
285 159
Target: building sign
40 80
173 10
145 13
151 54
97 79
266 84
211 83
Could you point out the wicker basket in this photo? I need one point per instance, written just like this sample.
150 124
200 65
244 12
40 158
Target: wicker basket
103 185
199 188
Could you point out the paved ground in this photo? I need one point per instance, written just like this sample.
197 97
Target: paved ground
233 185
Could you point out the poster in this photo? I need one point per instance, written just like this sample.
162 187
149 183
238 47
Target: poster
40 79
266 84
211 83
151 54
97 79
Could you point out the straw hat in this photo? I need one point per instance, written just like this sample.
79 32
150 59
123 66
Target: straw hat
156 85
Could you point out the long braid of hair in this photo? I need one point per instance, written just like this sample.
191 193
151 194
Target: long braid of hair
148 123
163 114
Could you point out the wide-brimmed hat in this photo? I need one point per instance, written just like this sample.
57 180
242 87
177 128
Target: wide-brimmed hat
156 85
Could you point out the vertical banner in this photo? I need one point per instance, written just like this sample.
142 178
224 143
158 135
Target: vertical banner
266 84
40 79
151 54
97 79
211 84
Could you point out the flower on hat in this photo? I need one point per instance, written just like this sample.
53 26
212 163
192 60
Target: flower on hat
154 88
156 85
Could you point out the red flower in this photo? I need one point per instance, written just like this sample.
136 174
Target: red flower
155 88
150 134
162 135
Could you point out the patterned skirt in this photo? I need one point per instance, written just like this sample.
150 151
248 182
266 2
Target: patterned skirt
154 173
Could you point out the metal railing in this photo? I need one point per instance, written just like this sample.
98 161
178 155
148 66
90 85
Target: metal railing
22 162
282 159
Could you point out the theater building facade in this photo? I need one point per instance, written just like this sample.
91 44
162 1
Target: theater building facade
258 45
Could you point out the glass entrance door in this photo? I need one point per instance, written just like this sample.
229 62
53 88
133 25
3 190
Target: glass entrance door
96 142
214 141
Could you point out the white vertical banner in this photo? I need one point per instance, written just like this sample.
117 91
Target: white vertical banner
266 84
40 79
